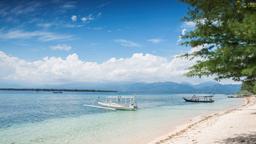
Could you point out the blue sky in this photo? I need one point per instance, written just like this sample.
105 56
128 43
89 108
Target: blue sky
57 42
97 31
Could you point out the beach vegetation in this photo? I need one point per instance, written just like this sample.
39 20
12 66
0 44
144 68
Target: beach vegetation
224 35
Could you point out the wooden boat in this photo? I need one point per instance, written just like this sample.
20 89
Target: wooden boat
237 96
199 99
119 103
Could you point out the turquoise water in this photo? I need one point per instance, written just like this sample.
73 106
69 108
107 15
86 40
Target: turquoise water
46 118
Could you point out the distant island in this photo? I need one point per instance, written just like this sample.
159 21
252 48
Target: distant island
54 90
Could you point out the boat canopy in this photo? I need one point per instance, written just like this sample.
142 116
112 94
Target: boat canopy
120 102
123 97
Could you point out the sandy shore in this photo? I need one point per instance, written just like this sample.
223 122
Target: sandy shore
232 126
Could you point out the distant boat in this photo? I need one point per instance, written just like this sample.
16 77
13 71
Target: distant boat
232 96
237 96
199 99
57 92
119 103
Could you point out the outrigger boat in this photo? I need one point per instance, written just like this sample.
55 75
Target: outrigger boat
119 103
199 99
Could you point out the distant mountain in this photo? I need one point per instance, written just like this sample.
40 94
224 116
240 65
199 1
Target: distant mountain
170 87
166 87
160 87
217 88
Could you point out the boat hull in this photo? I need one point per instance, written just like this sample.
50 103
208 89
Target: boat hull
117 106
197 101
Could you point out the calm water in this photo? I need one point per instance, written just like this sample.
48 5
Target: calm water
47 118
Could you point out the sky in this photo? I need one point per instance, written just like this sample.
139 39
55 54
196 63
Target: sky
56 42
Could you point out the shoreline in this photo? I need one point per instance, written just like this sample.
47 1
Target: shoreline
198 124
56 90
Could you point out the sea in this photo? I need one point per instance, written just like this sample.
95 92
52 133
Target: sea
66 118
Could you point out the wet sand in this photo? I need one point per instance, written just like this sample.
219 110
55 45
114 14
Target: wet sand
232 126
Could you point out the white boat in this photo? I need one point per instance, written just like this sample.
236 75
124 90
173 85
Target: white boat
119 103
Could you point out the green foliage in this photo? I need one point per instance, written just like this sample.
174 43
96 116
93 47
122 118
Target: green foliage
226 31
249 86
243 93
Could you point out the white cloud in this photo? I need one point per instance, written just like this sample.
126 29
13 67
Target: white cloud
69 5
196 49
20 8
127 43
192 24
189 24
61 47
83 19
137 68
40 35
74 18
73 25
155 40
183 31
87 18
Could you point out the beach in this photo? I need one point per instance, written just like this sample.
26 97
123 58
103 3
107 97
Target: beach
128 72
235 125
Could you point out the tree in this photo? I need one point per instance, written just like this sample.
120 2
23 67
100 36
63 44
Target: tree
226 31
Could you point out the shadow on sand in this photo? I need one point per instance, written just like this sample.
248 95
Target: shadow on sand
241 139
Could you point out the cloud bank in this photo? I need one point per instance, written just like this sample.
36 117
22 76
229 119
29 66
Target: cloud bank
55 70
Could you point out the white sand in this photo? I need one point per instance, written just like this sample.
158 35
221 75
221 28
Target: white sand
217 127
